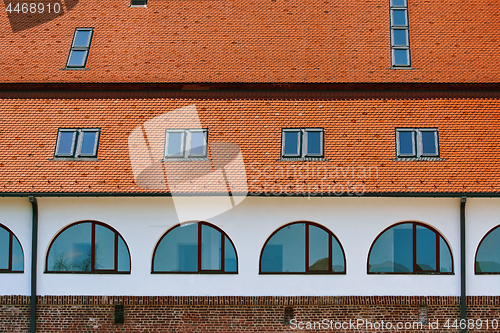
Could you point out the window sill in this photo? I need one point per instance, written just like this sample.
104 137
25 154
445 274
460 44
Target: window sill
302 273
75 69
421 158
139 6
403 273
11 272
311 158
90 273
184 159
402 67
77 159
198 273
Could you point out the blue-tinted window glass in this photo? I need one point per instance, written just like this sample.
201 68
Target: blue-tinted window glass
488 253
198 143
318 249
399 3
399 17
400 37
429 142
314 143
444 257
406 143
82 38
178 250
401 57
66 146
77 58
175 143
337 257
210 248
230 264
285 251
393 250
4 248
88 143
123 256
104 248
71 250
17 255
426 249
291 144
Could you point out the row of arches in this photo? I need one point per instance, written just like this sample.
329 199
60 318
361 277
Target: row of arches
301 247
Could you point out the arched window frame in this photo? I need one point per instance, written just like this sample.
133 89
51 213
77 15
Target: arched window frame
307 272
415 272
199 271
12 236
477 250
92 247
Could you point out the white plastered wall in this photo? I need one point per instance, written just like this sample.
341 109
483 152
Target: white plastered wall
355 221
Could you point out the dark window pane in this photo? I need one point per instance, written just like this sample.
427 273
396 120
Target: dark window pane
426 249
178 250
77 58
444 257
399 3
66 143
393 250
104 248
399 17
291 144
88 143
17 255
138 3
400 37
285 251
123 256
71 250
337 257
82 38
401 58
314 143
429 143
318 249
4 248
175 142
197 143
230 264
210 248
406 145
488 254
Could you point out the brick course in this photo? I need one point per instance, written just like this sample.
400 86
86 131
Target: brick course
241 314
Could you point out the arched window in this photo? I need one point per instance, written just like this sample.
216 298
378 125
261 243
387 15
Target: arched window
11 253
197 247
302 248
488 253
410 248
88 247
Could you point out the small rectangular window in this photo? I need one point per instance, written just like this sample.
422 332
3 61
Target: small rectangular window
80 48
400 40
138 3
302 142
186 143
411 142
77 142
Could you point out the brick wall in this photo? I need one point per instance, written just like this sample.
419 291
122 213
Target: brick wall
247 314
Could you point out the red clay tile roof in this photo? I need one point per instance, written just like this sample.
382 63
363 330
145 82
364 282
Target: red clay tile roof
359 139
253 41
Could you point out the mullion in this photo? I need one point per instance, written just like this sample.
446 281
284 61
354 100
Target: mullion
116 252
414 247
199 247
222 252
438 252
330 254
92 251
307 246
9 268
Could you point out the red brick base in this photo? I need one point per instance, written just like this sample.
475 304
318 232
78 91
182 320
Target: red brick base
248 314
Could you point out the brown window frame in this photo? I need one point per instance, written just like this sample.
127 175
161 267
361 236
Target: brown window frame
414 254
92 249
477 249
200 270
306 235
11 238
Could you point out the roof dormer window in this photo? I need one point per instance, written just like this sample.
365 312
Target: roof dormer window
80 47
77 143
138 3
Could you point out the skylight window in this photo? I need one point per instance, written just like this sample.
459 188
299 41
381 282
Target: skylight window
186 143
400 40
138 3
302 142
80 48
421 142
77 143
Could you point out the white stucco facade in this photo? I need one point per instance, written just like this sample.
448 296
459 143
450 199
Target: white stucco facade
356 221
